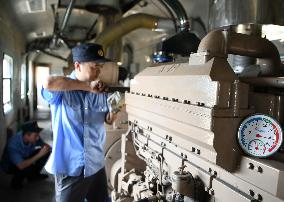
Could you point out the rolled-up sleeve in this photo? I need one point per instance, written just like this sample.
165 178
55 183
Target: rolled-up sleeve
52 97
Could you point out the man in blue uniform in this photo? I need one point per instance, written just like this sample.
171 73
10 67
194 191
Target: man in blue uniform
25 155
79 109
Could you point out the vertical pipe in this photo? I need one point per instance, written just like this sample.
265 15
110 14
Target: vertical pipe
180 12
67 15
240 63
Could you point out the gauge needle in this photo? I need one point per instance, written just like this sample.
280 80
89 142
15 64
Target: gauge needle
258 135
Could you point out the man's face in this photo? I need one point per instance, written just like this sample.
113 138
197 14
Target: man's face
90 71
33 137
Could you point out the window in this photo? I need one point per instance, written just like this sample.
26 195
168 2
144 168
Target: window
7 82
23 81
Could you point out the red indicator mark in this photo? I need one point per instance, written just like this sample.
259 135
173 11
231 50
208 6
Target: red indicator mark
258 135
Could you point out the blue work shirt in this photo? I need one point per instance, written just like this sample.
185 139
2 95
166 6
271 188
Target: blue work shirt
78 131
16 151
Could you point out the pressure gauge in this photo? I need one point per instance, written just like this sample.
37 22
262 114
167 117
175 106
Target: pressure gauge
260 135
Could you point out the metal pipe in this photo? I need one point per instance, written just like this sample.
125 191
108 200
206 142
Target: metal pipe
223 42
277 82
180 13
170 12
67 15
231 12
240 63
258 47
125 26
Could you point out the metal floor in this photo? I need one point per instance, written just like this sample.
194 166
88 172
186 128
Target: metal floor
39 191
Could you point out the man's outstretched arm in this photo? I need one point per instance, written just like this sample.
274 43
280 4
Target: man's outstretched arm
62 83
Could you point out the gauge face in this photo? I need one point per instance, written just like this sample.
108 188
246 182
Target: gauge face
260 135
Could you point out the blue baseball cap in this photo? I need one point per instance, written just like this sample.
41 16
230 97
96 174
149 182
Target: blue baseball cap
89 52
31 126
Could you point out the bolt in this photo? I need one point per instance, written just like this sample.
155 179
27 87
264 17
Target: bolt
259 169
250 166
251 192
259 197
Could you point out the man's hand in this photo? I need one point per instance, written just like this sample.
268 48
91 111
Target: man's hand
28 162
111 117
43 151
48 146
114 102
98 86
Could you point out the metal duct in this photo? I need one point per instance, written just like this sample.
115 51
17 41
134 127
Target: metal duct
170 13
184 42
126 25
232 12
180 13
106 7
132 22
223 42
241 64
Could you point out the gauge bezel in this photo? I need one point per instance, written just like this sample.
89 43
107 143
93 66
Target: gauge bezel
268 117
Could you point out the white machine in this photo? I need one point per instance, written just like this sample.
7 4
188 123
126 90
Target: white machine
198 132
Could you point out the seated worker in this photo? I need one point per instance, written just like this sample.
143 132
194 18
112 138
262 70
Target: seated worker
25 155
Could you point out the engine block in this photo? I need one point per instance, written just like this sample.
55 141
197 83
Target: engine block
182 139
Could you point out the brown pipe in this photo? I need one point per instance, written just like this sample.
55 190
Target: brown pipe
215 43
125 26
223 42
